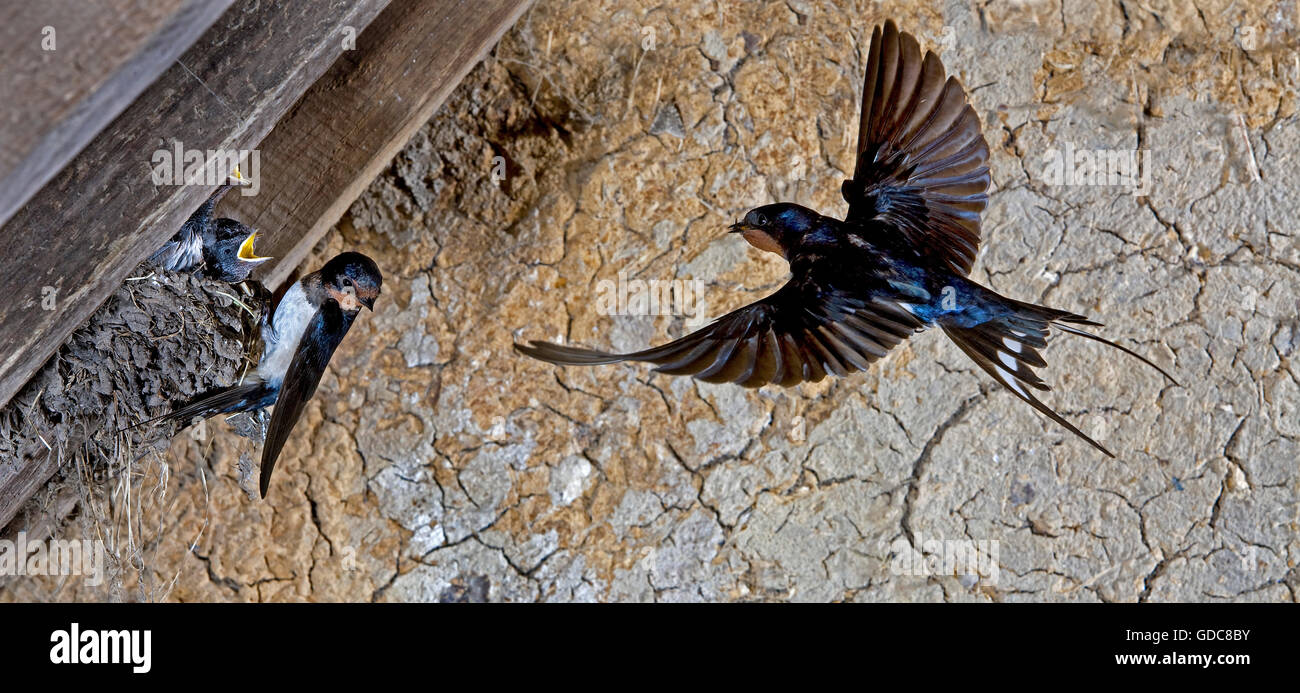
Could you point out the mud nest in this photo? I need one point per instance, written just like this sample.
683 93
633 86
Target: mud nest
157 340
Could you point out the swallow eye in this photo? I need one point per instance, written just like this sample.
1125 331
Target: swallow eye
760 220
349 289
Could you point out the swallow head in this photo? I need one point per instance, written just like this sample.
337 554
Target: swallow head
775 228
352 280
230 256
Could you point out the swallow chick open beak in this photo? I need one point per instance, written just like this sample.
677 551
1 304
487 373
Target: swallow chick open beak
246 250
238 178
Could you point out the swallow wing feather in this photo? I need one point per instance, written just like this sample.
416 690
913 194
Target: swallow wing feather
798 334
313 353
922 162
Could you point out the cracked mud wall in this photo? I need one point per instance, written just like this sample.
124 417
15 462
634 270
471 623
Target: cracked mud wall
436 464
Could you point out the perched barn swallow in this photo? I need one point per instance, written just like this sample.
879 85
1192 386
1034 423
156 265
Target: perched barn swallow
222 247
897 264
299 339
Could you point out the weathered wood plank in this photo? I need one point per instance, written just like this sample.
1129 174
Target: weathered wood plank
351 123
85 230
72 66
24 483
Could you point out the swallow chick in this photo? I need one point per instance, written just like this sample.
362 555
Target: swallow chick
299 337
222 248
895 265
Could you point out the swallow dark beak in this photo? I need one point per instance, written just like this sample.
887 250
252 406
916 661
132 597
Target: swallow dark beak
369 303
737 227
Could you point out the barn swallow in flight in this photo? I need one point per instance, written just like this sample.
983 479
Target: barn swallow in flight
222 247
299 338
897 264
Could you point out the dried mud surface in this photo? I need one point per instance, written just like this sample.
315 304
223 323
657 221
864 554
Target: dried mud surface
435 464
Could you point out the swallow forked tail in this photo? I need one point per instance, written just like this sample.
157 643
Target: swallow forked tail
1007 348
247 397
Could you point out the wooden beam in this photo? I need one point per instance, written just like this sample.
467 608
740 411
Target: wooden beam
350 125
72 66
20 482
76 240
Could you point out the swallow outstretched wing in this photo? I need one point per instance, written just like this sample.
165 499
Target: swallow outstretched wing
922 162
798 334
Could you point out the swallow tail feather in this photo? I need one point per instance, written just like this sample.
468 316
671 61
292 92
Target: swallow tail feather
246 397
1008 349
570 356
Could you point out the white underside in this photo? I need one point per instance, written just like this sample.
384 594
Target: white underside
292 317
